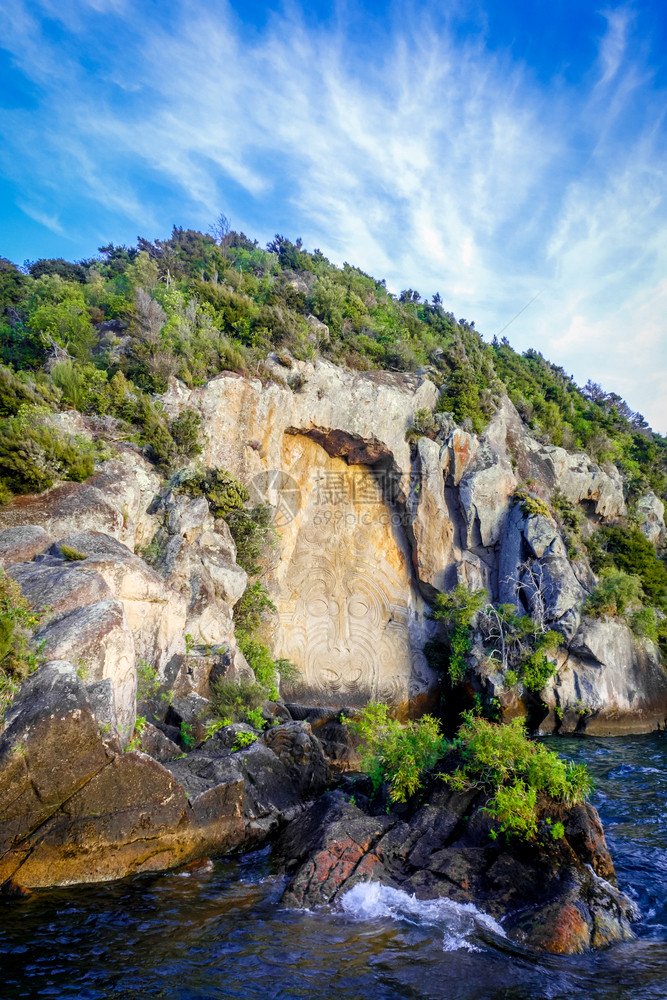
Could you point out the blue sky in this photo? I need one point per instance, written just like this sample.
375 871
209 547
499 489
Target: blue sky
491 151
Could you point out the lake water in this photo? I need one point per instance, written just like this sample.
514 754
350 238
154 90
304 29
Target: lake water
221 933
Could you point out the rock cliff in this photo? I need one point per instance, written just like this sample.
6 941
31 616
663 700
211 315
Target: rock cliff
373 520
370 527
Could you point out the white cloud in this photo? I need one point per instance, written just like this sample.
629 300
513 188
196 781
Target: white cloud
439 165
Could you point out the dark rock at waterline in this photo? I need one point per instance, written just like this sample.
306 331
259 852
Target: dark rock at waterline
73 809
553 895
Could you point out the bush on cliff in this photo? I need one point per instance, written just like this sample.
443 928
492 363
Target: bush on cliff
456 610
615 594
34 455
236 702
397 754
222 491
502 761
615 547
18 654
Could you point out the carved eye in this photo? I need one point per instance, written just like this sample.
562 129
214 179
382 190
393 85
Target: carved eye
357 608
318 607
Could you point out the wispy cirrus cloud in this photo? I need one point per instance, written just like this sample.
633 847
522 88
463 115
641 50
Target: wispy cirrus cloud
431 158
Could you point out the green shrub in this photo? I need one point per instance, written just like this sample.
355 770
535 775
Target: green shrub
19 656
34 455
253 534
185 430
649 623
223 492
394 753
457 610
243 740
252 607
71 554
234 700
148 681
423 425
513 770
537 669
259 657
616 593
135 741
530 504
255 718
628 550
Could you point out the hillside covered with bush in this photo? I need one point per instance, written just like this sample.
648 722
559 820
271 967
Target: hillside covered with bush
104 335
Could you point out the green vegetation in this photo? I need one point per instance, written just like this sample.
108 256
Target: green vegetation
213 726
33 454
423 425
519 644
513 770
70 554
135 741
456 610
19 656
536 668
223 492
530 503
243 740
104 336
263 665
399 755
236 701
148 682
624 548
616 593
632 581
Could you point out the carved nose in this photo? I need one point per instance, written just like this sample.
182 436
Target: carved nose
341 630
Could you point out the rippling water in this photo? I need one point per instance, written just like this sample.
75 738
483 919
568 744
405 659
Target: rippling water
221 933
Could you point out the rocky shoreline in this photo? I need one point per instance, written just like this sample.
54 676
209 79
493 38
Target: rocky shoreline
77 809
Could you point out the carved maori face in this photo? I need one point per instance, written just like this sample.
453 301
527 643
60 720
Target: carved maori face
346 619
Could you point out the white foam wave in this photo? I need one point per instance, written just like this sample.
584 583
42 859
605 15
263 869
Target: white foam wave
461 923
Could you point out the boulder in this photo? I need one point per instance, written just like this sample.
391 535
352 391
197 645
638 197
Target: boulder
49 749
98 639
551 895
155 611
63 509
58 587
21 544
651 515
610 683
73 810
130 483
279 772
157 744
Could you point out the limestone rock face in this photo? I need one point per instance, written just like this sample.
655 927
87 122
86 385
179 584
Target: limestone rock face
74 810
651 513
130 483
21 544
331 460
370 526
57 587
610 683
350 615
65 508
155 611
98 638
